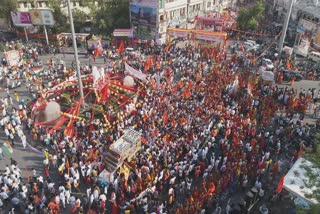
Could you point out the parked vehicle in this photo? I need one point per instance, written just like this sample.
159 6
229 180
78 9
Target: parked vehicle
288 75
314 56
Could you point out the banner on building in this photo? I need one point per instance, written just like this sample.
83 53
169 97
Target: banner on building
123 33
12 57
21 19
143 14
302 46
316 39
304 26
208 37
178 34
41 17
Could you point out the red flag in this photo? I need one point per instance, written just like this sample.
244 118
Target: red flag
96 53
69 131
121 47
280 184
67 165
61 121
165 118
295 103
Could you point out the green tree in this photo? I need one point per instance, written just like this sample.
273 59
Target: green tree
60 18
6 6
113 14
313 177
248 19
79 18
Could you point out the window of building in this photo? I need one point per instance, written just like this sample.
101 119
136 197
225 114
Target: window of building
171 15
182 11
198 6
209 4
74 3
32 5
39 4
161 4
25 5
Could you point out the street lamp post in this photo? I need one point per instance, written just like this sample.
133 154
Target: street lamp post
285 27
75 49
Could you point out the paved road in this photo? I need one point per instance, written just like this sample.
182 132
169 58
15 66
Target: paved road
32 157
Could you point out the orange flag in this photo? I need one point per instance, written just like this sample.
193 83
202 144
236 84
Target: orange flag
67 165
280 184
69 131
154 133
58 124
121 47
173 123
166 138
165 118
183 121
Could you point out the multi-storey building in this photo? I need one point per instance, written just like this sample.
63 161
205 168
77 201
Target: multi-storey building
150 18
304 25
25 5
171 13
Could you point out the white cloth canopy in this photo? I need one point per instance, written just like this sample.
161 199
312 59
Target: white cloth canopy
294 180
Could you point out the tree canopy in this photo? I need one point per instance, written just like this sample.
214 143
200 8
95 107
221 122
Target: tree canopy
105 17
6 6
248 19
313 157
59 17
112 15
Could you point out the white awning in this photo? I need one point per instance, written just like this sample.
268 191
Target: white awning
295 179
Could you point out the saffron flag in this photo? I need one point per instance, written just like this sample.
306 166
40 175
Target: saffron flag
98 51
69 131
280 184
61 121
67 165
165 118
121 47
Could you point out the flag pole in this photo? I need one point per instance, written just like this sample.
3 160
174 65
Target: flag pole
75 53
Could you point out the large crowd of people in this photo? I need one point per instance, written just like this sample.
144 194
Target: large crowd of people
209 130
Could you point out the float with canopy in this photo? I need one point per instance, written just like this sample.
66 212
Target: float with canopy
105 95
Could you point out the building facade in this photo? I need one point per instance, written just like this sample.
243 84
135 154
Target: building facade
304 27
25 5
170 13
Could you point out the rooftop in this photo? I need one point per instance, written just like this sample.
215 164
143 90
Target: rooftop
297 178
310 6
